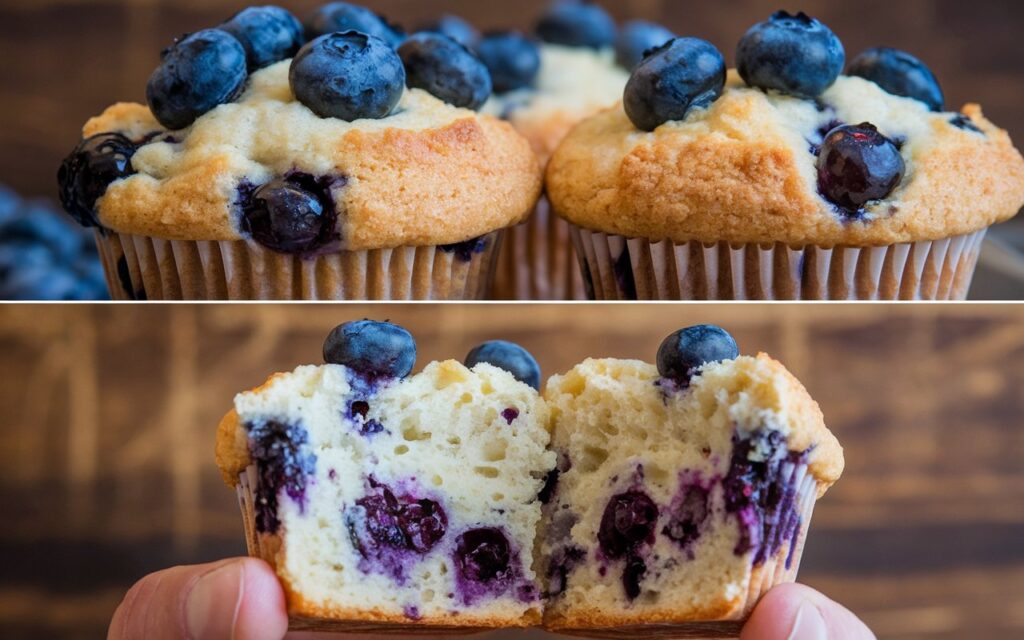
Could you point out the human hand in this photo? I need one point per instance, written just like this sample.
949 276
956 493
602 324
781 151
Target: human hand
241 599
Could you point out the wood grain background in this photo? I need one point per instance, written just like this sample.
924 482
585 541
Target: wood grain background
109 416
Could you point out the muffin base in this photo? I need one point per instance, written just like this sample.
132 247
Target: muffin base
782 568
146 268
619 268
538 261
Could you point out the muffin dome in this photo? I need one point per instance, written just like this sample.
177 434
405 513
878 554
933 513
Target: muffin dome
428 174
745 170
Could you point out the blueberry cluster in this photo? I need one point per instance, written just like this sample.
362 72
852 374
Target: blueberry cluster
43 257
626 532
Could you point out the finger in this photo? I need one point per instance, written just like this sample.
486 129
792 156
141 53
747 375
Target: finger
796 612
239 599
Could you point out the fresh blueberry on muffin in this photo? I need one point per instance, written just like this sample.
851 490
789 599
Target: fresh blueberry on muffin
448 70
338 17
456 28
91 167
577 23
683 353
374 77
198 73
794 54
899 73
268 34
510 357
512 58
683 74
857 165
375 349
638 38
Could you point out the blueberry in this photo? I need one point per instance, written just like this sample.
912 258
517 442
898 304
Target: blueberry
683 74
483 555
406 524
348 76
627 524
338 17
198 73
43 227
445 68
88 170
455 28
961 121
687 516
290 215
378 349
23 256
899 73
576 23
284 463
633 575
512 58
797 55
636 39
423 523
40 284
510 357
9 203
686 351
857 165
268 34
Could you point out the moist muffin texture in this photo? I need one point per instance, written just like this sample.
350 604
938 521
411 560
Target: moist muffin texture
573 84
685 463
430 174
379 486
744 171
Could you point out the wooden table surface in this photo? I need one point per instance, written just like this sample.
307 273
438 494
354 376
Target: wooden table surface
109 417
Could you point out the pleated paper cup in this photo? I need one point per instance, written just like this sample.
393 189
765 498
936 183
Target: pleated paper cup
782 568
619 268
538 261
146 268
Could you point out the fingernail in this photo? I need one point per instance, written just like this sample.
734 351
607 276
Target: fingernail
808 624
213 604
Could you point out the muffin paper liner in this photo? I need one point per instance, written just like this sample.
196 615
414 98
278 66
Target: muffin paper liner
619 268
538 261
782 568
142 267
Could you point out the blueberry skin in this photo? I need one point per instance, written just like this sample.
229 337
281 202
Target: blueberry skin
900 74
797 55
686 351
268 34
89 169
338 17
636 39
857 165
445 68
287 218
349 76
198 73
684 74
577 24
510 357
455 28
378 349
512 58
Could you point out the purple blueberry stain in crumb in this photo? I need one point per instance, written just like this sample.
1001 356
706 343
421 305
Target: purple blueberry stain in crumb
624 278
688 513
412 612
563 562
761 492
671 388
364 388
626 532
332 474
510 415
960 121
284 464
488 566
465 251
393 532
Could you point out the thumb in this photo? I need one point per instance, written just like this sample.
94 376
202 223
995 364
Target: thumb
237 599
796 612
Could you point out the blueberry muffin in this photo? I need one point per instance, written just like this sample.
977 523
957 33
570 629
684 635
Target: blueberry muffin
784 179
684 490
384 498
255 172
579 68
